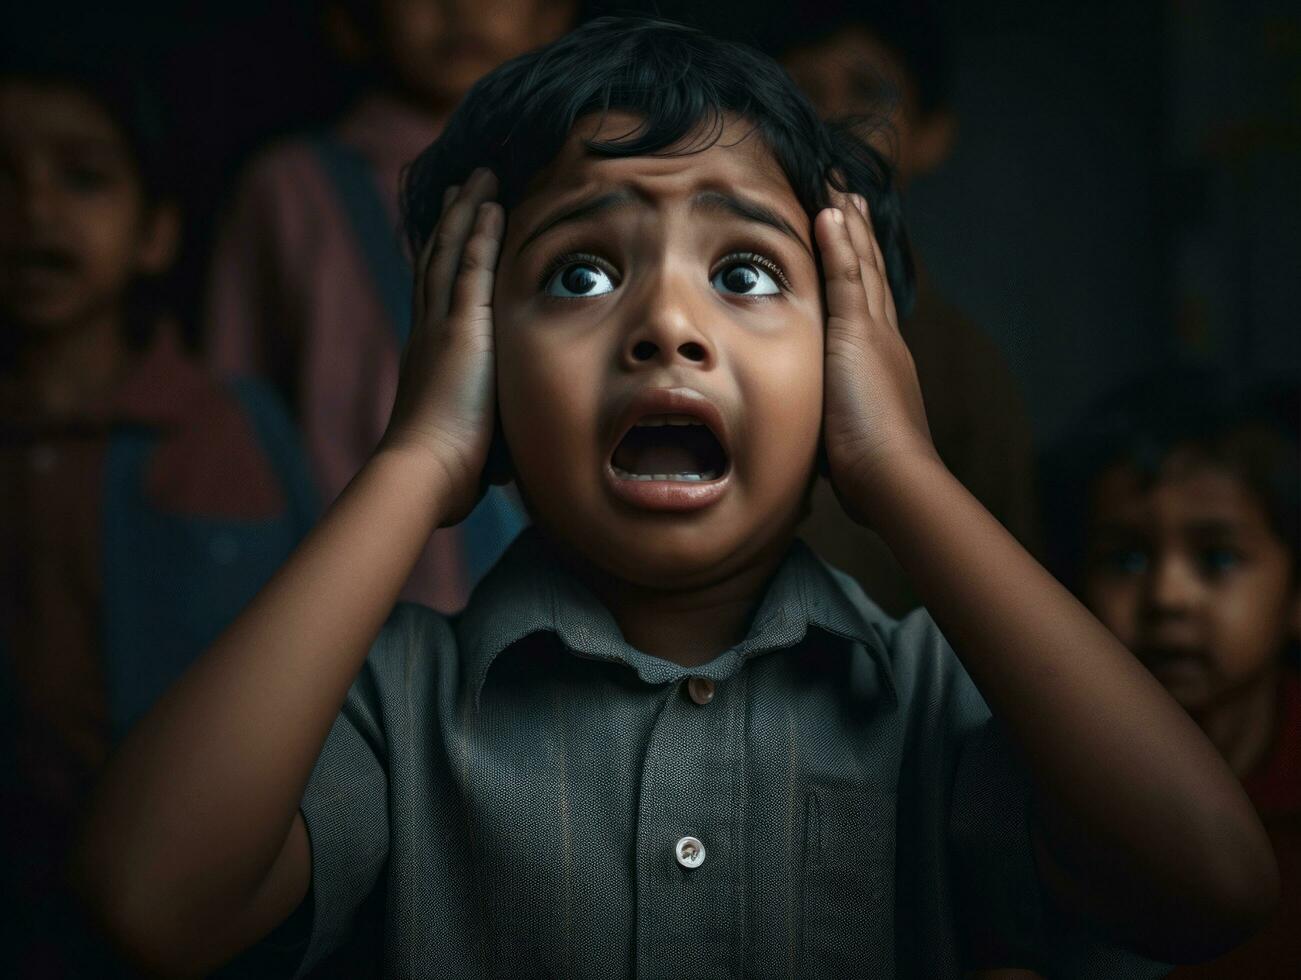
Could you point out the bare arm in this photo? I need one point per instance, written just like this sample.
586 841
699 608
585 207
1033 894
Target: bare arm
194 848
1141 822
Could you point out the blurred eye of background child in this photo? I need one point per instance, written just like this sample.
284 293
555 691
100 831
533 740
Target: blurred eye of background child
310 285
851 59
1174 513
141 503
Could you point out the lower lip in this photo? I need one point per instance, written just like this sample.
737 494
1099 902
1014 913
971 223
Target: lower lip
667 495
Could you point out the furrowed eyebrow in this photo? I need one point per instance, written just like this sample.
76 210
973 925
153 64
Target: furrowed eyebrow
582 210
748 210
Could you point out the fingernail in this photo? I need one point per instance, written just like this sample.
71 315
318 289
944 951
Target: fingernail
860 202
837 216
449 195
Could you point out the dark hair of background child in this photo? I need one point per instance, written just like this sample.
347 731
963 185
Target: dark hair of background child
913 30
683 85
1252 434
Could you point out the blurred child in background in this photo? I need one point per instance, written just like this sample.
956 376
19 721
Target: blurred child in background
310 283
1174 513
851 59
141 503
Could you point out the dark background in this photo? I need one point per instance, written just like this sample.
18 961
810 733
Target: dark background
1124 190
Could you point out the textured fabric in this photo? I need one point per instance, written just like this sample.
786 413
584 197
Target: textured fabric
1274 953
130 534
512 783
293 299
980 428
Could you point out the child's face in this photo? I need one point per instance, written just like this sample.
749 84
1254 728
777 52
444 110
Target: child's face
652 290
74 226
852 73
437 49
1188 573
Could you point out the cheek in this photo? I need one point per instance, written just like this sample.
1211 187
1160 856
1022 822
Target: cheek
1250 623
110 238
782 388
547 396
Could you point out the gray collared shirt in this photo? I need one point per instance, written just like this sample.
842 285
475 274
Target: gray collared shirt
529 796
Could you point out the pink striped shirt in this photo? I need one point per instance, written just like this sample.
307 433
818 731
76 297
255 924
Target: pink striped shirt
292 299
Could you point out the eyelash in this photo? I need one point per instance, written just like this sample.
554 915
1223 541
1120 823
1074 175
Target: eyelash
575 258
734 258
753 258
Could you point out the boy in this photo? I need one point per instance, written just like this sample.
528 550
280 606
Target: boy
143 504
1189 503
851 58
663 740
310 285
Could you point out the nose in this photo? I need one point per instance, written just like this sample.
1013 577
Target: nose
1172 585
669 330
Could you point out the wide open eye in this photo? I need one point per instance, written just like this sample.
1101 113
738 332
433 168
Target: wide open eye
580 278
747 275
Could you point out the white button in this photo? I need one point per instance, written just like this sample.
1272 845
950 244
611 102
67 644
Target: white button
690 852
701 690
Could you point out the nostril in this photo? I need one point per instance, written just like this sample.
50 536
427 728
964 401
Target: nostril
692 352
644 351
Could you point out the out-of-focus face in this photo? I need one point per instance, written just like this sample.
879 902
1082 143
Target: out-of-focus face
851 73
74 227
659 330
437 49
1190 576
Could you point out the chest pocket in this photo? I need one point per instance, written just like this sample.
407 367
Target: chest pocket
848 884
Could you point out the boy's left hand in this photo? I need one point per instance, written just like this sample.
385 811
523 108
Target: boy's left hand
873 417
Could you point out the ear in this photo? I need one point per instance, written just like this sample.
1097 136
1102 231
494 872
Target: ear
345 35
932 140
159 239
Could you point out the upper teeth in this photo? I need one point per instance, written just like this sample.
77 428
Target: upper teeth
651 421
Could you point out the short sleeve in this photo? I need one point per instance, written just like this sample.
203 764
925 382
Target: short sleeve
1005 915
345 807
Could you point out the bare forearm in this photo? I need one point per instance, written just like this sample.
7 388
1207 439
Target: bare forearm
1121 768
202 794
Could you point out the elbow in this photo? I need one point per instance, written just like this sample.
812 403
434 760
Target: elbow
1246 892
137 923
1233 896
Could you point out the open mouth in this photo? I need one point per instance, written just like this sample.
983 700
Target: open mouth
671 447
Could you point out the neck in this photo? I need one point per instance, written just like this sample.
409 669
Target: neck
1243 726
688 626
72 368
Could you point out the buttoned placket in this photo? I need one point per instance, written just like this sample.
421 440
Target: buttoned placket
689 833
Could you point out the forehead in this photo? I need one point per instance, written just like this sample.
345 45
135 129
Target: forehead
32 112
737 162
1188 489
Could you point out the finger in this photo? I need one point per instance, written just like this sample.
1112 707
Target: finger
472 293
861 237
453 230
426 255
843 271
891 313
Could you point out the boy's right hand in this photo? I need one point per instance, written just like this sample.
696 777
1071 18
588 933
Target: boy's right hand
443 412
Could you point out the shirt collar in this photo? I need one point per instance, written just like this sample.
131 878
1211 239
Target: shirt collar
529 592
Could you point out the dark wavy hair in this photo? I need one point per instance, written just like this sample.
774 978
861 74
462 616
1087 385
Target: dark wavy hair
1249 432
684 85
